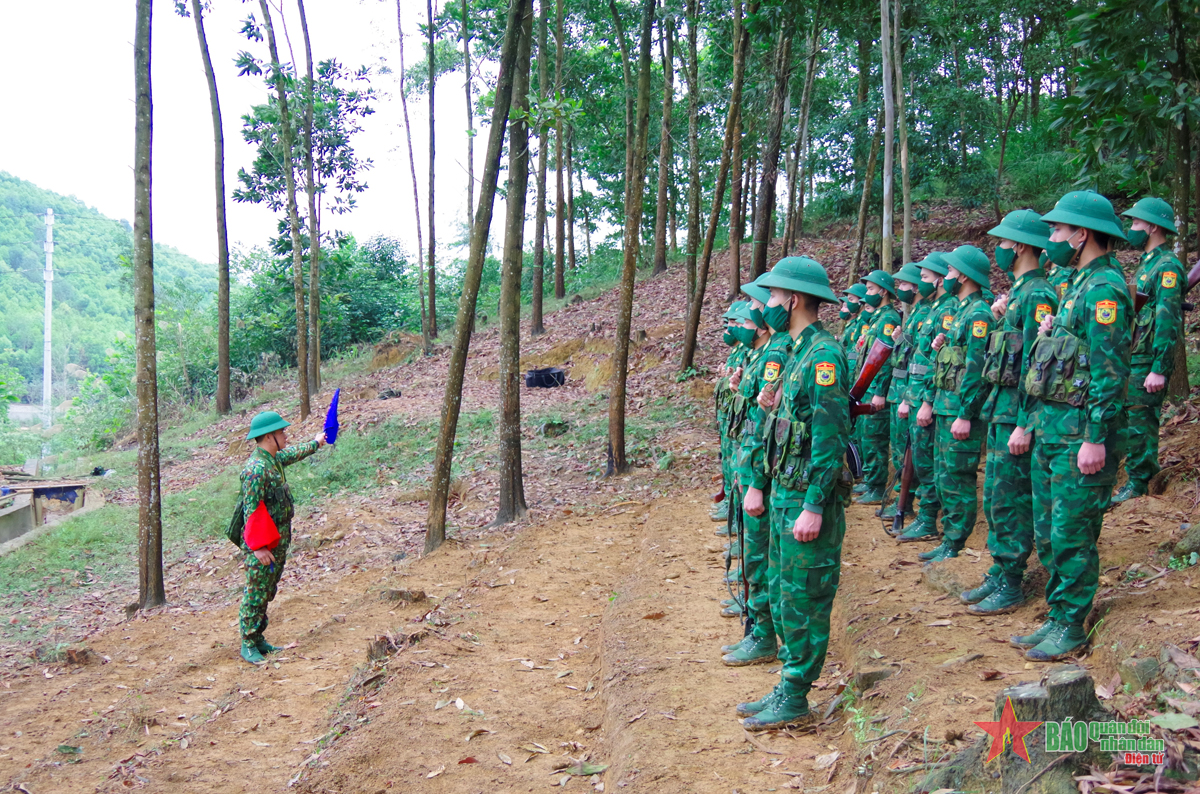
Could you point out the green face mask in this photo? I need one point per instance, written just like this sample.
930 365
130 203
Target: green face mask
905 295
874 300
951 285
743 335
1062 253
925 288
756 317
778 317
728 337
1005 257
1138 239
845 315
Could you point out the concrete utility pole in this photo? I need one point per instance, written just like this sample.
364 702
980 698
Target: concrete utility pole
47 408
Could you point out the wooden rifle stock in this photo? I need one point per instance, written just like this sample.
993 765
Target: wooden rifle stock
904 502
877 356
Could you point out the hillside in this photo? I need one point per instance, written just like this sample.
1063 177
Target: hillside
92 279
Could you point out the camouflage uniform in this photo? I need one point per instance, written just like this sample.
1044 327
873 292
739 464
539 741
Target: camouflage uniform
873 429
959 393
263 480
920 389
902 359
1059 278
1156 330
723 397
1078 376
1007 489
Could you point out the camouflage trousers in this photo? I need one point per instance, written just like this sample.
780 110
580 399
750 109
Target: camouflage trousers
956 466
873 431
756 533
802 595
898 433
262 581
1007 503
1068 510
1141 443
727 455
923 468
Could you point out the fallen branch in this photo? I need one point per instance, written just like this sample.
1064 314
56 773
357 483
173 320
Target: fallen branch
759 744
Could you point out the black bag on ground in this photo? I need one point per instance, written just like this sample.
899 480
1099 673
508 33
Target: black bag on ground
547 378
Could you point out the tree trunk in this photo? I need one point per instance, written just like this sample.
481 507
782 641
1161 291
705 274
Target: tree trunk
735 208
570 202
1014 104
617 464
512 485
692 73
861 232
466 34
962 118
796 180
1178 387
667 52
751 191
770 153
435 525
412 168
538 288
673 217
864 86
619 33
314 224
151 591
223 403
887 225
560 200
433 326
692 330
286 140
902 119
587 223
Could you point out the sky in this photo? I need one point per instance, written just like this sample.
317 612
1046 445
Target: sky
69 125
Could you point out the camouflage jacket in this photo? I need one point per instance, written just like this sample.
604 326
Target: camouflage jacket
263 480
1157 326
1079 372
767 369
920 367
958 368
902 356
1060 279
1010 344
883 321
722 394
853 330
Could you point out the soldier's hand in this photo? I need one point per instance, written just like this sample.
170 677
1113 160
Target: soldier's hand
735 379
264 557
1154 382
1091 457
768 398
808 526
897 333
1000 306
320 439
939 341
902 410
961 429
753 504
1020 441
925 415
879 401
1046 324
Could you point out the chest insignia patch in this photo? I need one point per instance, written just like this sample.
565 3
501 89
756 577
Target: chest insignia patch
826 374
1169 279
771 374
947 321
979 329
1106 312
1041 311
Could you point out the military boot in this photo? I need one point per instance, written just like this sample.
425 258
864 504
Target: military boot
1006 597
734 610
265 647
858 488
1030 640
1129 490
760 705
923 529
754 650
251 653
975 595
943 552
721 511
1066 640
734 550
724 531
789 708
889 512
871 496
734 576
735 646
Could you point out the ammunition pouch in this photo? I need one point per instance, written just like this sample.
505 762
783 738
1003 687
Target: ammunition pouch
736 416
949 368
1143 330
787 447
1059 370
1002 364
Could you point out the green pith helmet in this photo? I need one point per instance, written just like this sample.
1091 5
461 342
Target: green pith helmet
858 290
1023 226
971 262
735 310
1153 210
1087 209
883 279
266 422
757 291
910 273
936 261
742 313
799 274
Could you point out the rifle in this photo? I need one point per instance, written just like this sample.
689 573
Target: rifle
904 503
876 358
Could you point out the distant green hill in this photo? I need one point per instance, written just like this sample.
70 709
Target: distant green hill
92 285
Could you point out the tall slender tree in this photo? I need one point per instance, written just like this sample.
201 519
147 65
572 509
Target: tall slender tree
887 223
538 288
279 80
435 523
314 219
151 590
466 37
764 219
902 122
795 220
560 201
636 160
667 53
223 402
412 169
512 484
692 74
571 201
431 34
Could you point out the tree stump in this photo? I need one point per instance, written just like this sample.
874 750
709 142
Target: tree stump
1066 691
